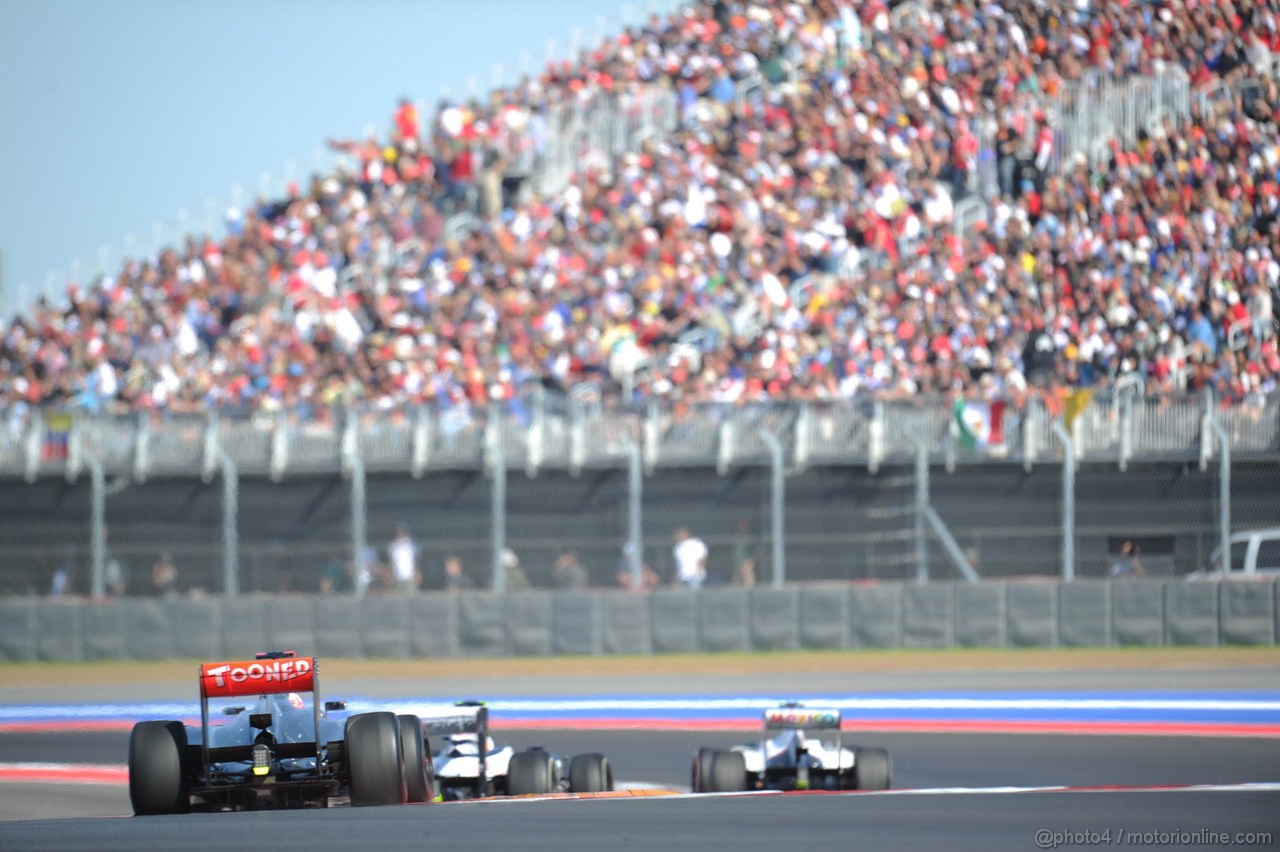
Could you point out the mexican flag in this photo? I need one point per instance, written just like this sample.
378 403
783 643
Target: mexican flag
980 425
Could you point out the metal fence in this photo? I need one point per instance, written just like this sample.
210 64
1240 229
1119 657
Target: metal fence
544 430
874 489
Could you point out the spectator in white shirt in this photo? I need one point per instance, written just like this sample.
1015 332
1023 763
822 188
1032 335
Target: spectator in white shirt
691 559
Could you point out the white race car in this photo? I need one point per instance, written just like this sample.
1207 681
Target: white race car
465 770
786 758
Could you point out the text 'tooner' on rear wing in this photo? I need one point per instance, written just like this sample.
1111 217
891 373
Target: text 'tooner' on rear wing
272 673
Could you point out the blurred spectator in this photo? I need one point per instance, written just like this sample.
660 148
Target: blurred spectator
455 580
568 572
164 577
336 574
60 584
402 555
690 555
517 580
1129 565
624 572
115 577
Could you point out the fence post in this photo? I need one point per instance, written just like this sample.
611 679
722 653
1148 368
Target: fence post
497 463
724 446
800 434
98 525
1224 491
1029 425
778 508
1206 432
875 440
537 428
230 525
1068 502
421 441
142 448
279 446
1126 430
922 508
635 506
359 534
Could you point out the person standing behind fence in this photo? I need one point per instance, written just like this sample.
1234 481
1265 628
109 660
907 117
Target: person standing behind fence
569 572
402 553
164 577
454 578
1129 565
691 559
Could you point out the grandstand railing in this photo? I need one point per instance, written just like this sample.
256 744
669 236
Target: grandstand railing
542 430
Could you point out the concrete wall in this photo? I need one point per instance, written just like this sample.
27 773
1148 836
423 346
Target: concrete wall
886 615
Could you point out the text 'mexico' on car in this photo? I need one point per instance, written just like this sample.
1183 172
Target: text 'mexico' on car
276 748
787 757
468 764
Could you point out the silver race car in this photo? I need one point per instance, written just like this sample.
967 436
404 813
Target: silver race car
469 765
276 749
787 758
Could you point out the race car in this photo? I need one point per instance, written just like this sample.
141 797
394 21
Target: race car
276 749
786 758
469 765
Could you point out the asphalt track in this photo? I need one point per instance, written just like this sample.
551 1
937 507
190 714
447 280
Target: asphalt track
948 818
1163 819
968 791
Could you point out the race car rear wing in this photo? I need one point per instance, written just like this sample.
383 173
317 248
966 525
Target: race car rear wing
271 673
801 718
467 717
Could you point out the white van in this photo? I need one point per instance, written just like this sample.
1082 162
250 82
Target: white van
1255 555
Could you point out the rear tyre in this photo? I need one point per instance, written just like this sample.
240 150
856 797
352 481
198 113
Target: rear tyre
701 764
590 773
726 772
157 782
375 762
872 769
417 764
531 773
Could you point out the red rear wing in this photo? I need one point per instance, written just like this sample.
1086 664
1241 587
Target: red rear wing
257 677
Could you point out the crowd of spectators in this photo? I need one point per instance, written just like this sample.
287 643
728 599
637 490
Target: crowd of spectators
794 244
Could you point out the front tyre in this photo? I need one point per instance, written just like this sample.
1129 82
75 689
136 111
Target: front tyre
417 764
375 761
590 773
157 782
872 769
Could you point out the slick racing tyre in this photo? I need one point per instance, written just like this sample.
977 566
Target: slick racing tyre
590 773
701 765
417 760
872 769
531 773
726 772
375 762
157 782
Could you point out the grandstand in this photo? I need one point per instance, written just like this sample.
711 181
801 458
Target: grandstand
1025 205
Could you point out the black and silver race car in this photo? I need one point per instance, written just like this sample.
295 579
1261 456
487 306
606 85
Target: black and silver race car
277 749
468 764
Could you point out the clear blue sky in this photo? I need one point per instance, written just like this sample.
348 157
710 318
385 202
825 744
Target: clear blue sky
116 115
